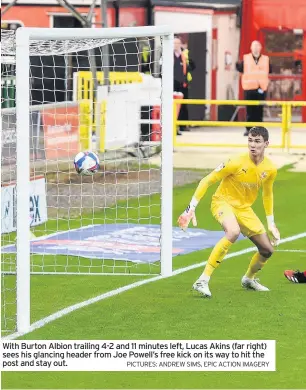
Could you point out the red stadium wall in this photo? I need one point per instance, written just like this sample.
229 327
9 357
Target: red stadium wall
39 16
132 17
273 15
269 14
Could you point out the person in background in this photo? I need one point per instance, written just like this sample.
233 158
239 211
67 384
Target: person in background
183 66
146 58
297 84
190 62
255 69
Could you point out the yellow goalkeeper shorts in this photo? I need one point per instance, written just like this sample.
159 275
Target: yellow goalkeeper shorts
250 225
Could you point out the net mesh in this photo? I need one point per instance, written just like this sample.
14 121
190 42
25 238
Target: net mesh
102 95
54 47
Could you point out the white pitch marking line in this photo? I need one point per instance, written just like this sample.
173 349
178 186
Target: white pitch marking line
292 250
39 324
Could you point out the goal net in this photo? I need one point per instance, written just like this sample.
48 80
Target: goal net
71 90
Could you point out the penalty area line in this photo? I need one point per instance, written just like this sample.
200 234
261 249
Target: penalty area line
61 313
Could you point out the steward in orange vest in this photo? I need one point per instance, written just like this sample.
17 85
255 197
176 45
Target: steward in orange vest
255 73
255 69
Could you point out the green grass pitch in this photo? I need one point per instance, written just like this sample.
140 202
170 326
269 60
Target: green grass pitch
168 309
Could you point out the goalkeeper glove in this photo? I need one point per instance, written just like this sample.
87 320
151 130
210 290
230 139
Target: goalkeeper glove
273 231
188 215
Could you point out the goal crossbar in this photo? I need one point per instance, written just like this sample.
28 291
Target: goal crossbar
89 33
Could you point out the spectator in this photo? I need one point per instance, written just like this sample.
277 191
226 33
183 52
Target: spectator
190 62
183 66
255 69
297 87
146 57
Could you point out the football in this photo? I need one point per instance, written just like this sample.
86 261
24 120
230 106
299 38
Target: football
86 163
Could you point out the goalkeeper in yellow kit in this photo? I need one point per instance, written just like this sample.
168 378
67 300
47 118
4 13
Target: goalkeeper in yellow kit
241 178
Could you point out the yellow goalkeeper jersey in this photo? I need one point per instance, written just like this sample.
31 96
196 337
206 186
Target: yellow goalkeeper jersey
241 180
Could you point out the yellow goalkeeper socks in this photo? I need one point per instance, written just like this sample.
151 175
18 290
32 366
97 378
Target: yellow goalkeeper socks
256 265
216 257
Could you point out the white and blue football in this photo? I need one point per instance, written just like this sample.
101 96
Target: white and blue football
86 163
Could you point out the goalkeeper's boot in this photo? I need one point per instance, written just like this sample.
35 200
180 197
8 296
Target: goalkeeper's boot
296 276
252 284
202 287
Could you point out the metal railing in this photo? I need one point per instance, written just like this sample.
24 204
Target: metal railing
285 124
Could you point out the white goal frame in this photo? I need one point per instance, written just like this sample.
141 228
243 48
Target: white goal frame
23 37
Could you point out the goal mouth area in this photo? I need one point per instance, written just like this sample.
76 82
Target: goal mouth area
76 91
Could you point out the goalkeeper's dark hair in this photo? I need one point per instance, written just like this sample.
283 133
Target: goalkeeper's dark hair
260 130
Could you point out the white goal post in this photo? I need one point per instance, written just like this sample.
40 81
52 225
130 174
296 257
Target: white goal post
45 39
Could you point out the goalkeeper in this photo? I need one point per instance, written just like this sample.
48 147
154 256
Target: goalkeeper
241 179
